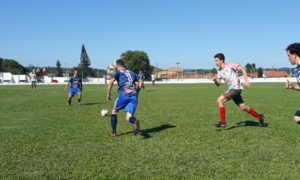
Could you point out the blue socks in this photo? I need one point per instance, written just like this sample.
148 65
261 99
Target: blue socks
132 120
114 121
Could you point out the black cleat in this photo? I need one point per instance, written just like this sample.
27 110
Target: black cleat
261 121
220 125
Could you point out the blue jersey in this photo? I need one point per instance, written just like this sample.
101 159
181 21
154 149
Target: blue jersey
75 82
296 72
127 82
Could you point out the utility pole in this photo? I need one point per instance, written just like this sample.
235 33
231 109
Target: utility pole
178 73
66 69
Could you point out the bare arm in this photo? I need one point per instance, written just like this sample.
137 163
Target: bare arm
140 85
67 85
109 88
217 82
245 75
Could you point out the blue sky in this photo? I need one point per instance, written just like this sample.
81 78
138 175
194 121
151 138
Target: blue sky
187 31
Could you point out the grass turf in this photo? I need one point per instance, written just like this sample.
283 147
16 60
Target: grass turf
41 137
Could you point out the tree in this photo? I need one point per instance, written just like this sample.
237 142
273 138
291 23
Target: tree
214 70
1 69
12 66
59 71
248 68
136 61
84 66
253 67
260 72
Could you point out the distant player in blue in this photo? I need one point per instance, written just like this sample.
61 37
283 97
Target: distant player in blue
75 84
128 96
293 52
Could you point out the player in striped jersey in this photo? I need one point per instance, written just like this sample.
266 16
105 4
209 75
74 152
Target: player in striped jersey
229 72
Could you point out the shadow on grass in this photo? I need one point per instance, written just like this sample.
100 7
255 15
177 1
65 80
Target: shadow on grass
146 133
149 90
91 104
244 124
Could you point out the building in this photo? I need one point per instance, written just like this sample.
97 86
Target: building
273 73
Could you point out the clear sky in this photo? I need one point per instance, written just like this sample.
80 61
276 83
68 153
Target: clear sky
39 32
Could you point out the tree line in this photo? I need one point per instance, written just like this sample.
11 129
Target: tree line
12 66
135 61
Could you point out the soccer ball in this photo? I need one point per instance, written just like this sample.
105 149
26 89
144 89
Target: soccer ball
104 112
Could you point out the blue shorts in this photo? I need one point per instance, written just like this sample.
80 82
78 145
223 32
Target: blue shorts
128 103
74 91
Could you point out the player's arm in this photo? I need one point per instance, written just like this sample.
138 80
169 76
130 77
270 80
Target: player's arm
217 79
109 88
245 75
67 85
140 85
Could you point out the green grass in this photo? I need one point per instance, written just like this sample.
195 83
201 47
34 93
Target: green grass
43 138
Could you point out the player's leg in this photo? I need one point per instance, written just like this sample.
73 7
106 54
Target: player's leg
237 98
120 103
34 84
220 102
297 119
70 100
79 96
130 110
114 120
71 95
297 116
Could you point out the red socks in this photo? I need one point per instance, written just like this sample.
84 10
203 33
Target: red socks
254 113
222 115
251 111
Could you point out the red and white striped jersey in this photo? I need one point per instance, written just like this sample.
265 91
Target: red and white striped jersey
230 74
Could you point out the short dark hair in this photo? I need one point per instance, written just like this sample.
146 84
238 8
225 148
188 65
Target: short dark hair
221 56
294 49
120 62
75 69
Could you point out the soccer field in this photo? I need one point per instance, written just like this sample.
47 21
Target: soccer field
41 137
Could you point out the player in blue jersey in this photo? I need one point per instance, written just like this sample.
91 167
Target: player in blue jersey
75 84
293 52
128 96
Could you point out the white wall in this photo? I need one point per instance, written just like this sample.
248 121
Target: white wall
21 77
7 76
253 80
61 80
